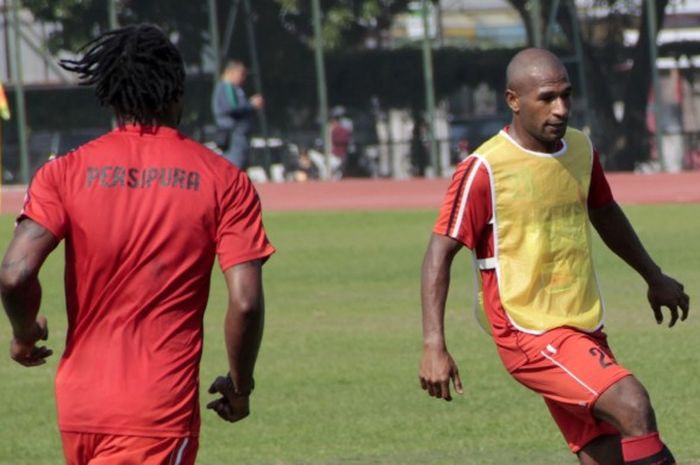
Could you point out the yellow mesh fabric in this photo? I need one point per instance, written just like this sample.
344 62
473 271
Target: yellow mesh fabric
542 235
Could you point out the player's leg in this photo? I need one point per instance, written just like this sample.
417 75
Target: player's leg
603 450
235 152
571 370
594 442
627 406
238 152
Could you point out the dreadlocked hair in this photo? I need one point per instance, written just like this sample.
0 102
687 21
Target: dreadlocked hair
136 70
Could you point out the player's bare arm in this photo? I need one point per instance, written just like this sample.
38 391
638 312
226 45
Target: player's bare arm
619 235
243 329
437 365
21 291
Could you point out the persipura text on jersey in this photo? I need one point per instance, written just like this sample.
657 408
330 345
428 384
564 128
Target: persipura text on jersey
141 178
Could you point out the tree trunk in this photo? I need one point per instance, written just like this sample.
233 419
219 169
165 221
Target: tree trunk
521 7
605 129
636 148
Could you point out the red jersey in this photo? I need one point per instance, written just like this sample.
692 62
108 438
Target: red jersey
144 212
466 216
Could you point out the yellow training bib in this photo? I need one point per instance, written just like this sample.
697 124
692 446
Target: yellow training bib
542 241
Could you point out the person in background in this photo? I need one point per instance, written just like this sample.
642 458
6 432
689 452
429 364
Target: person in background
341 138
419 152
234 113
306 169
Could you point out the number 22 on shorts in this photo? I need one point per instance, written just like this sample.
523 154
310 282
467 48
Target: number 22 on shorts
603 358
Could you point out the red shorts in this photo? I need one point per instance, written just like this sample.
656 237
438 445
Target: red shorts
110 449
570 369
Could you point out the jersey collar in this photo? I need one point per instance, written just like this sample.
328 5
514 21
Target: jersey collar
561 149
141 130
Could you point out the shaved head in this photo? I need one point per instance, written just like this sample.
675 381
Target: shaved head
538 93
531 66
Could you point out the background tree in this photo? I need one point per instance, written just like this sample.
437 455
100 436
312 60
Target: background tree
361 72
346 23
82 20
284 35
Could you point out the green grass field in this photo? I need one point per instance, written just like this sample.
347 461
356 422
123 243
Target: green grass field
337 376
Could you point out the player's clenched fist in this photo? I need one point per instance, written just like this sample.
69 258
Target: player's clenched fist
436 370
25 352
666 291
232 406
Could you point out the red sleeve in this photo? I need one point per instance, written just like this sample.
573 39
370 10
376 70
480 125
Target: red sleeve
466 209
599 193
43 201
240 233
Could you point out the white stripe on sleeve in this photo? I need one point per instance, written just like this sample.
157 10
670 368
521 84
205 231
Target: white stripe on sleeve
465 197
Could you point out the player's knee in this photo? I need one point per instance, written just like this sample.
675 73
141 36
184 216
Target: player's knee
640 418
634 413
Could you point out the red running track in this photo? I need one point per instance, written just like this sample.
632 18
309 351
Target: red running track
629 189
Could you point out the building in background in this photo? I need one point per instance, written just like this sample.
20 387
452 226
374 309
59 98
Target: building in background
38 64
464 24
464 116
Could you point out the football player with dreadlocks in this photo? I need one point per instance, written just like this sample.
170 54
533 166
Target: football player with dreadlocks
144 211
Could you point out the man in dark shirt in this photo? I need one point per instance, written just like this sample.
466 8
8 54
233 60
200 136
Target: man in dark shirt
234 113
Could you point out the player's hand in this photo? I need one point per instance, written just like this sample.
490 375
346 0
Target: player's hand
231 406
437 369
257 101
25 352
667 292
